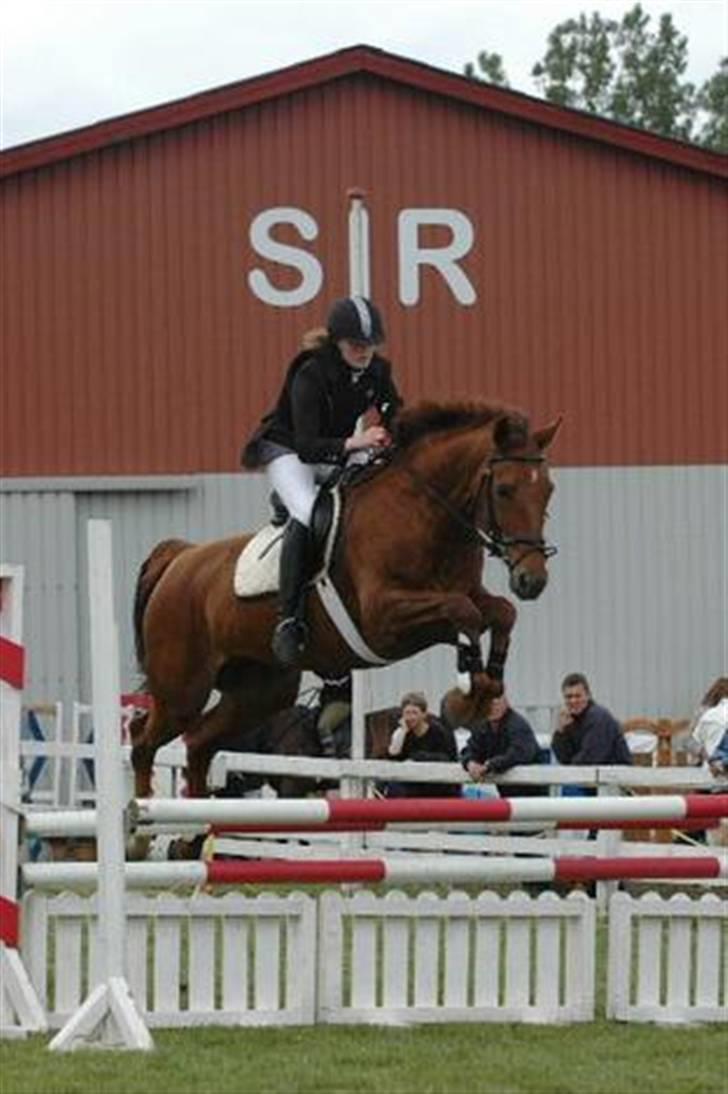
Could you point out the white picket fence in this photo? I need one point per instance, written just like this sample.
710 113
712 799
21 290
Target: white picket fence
668 959
394 959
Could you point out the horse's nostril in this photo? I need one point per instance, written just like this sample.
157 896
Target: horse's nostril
527 585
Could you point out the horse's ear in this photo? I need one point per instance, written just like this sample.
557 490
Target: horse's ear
544 437
510 431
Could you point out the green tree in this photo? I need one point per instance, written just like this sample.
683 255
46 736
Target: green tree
623 70
713 102
578 69
629 72
491 69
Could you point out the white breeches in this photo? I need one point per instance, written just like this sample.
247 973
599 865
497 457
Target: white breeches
297 484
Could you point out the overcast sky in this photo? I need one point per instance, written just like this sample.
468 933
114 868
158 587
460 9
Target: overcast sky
68 63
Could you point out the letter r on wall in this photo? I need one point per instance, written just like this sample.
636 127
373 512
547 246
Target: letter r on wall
444 259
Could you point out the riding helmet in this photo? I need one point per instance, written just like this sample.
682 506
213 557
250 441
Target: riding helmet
356 318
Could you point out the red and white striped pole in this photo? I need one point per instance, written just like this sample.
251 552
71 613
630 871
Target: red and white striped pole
20 1008
420 869
319 813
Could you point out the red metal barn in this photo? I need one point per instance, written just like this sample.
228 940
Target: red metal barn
160 268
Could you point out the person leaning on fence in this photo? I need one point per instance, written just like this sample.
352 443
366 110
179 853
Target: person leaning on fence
420 736
499 742
586 732
711 730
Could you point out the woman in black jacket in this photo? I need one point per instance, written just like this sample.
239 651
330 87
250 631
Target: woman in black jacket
337 377
419 736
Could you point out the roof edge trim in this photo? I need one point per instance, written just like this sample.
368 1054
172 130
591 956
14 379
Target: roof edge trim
348 62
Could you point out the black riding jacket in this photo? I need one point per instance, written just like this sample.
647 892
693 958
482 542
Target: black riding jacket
319 405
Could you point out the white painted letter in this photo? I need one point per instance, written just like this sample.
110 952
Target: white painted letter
444 259
308 265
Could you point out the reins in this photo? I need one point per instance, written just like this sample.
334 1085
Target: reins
492 538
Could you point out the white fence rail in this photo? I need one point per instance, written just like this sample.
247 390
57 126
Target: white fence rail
668 960
363 958
229 960
457 959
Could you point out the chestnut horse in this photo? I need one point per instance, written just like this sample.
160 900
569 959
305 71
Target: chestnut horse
461 479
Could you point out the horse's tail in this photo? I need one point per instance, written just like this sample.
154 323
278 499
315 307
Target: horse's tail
149 574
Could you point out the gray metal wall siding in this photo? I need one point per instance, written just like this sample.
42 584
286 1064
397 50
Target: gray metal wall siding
637 597
217 506
38 531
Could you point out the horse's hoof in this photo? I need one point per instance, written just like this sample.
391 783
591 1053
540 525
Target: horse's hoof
137 848
185 850
463 707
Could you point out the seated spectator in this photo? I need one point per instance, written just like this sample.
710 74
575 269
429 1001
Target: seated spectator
586 732
500 742
420 736
711 731
333 717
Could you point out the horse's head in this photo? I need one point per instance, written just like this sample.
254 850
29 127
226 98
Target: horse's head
512 500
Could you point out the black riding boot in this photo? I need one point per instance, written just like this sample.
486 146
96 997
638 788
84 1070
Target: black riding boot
289 637
280 513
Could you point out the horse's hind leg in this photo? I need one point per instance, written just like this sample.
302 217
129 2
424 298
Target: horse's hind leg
148 731
203 741
260 691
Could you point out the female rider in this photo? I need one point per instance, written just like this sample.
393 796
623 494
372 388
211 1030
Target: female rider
337 377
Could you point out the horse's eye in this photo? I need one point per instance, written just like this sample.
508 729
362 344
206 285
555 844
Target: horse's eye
505 491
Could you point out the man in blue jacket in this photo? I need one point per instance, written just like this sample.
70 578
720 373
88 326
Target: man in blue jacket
500 742
587 733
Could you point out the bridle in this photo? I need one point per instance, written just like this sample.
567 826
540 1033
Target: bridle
497 543
492 537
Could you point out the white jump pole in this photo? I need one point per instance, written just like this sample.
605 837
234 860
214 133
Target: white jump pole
109 1017
20 1008
359 285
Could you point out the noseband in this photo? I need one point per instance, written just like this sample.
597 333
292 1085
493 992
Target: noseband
493 538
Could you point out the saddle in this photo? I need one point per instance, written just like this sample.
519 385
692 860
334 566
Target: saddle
257 568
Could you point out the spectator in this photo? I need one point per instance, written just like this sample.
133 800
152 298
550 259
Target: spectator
587 733
420 736
333 718
500 742
711 731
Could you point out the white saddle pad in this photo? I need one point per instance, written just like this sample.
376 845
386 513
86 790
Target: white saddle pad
256 571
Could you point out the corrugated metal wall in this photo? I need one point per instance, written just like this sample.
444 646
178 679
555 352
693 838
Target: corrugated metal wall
137 345
637 596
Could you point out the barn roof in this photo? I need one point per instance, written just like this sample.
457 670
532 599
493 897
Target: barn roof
344 63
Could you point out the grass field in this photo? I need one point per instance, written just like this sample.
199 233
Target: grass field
594 1058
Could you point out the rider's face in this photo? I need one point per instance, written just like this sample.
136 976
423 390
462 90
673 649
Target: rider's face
356 354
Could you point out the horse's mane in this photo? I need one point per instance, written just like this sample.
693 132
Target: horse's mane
425 418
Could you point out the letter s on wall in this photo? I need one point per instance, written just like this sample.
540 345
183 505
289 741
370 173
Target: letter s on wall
308 265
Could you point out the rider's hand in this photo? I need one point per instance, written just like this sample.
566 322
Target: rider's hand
375 436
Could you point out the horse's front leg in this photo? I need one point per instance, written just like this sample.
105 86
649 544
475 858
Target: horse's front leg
499 617
470 700
400 616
